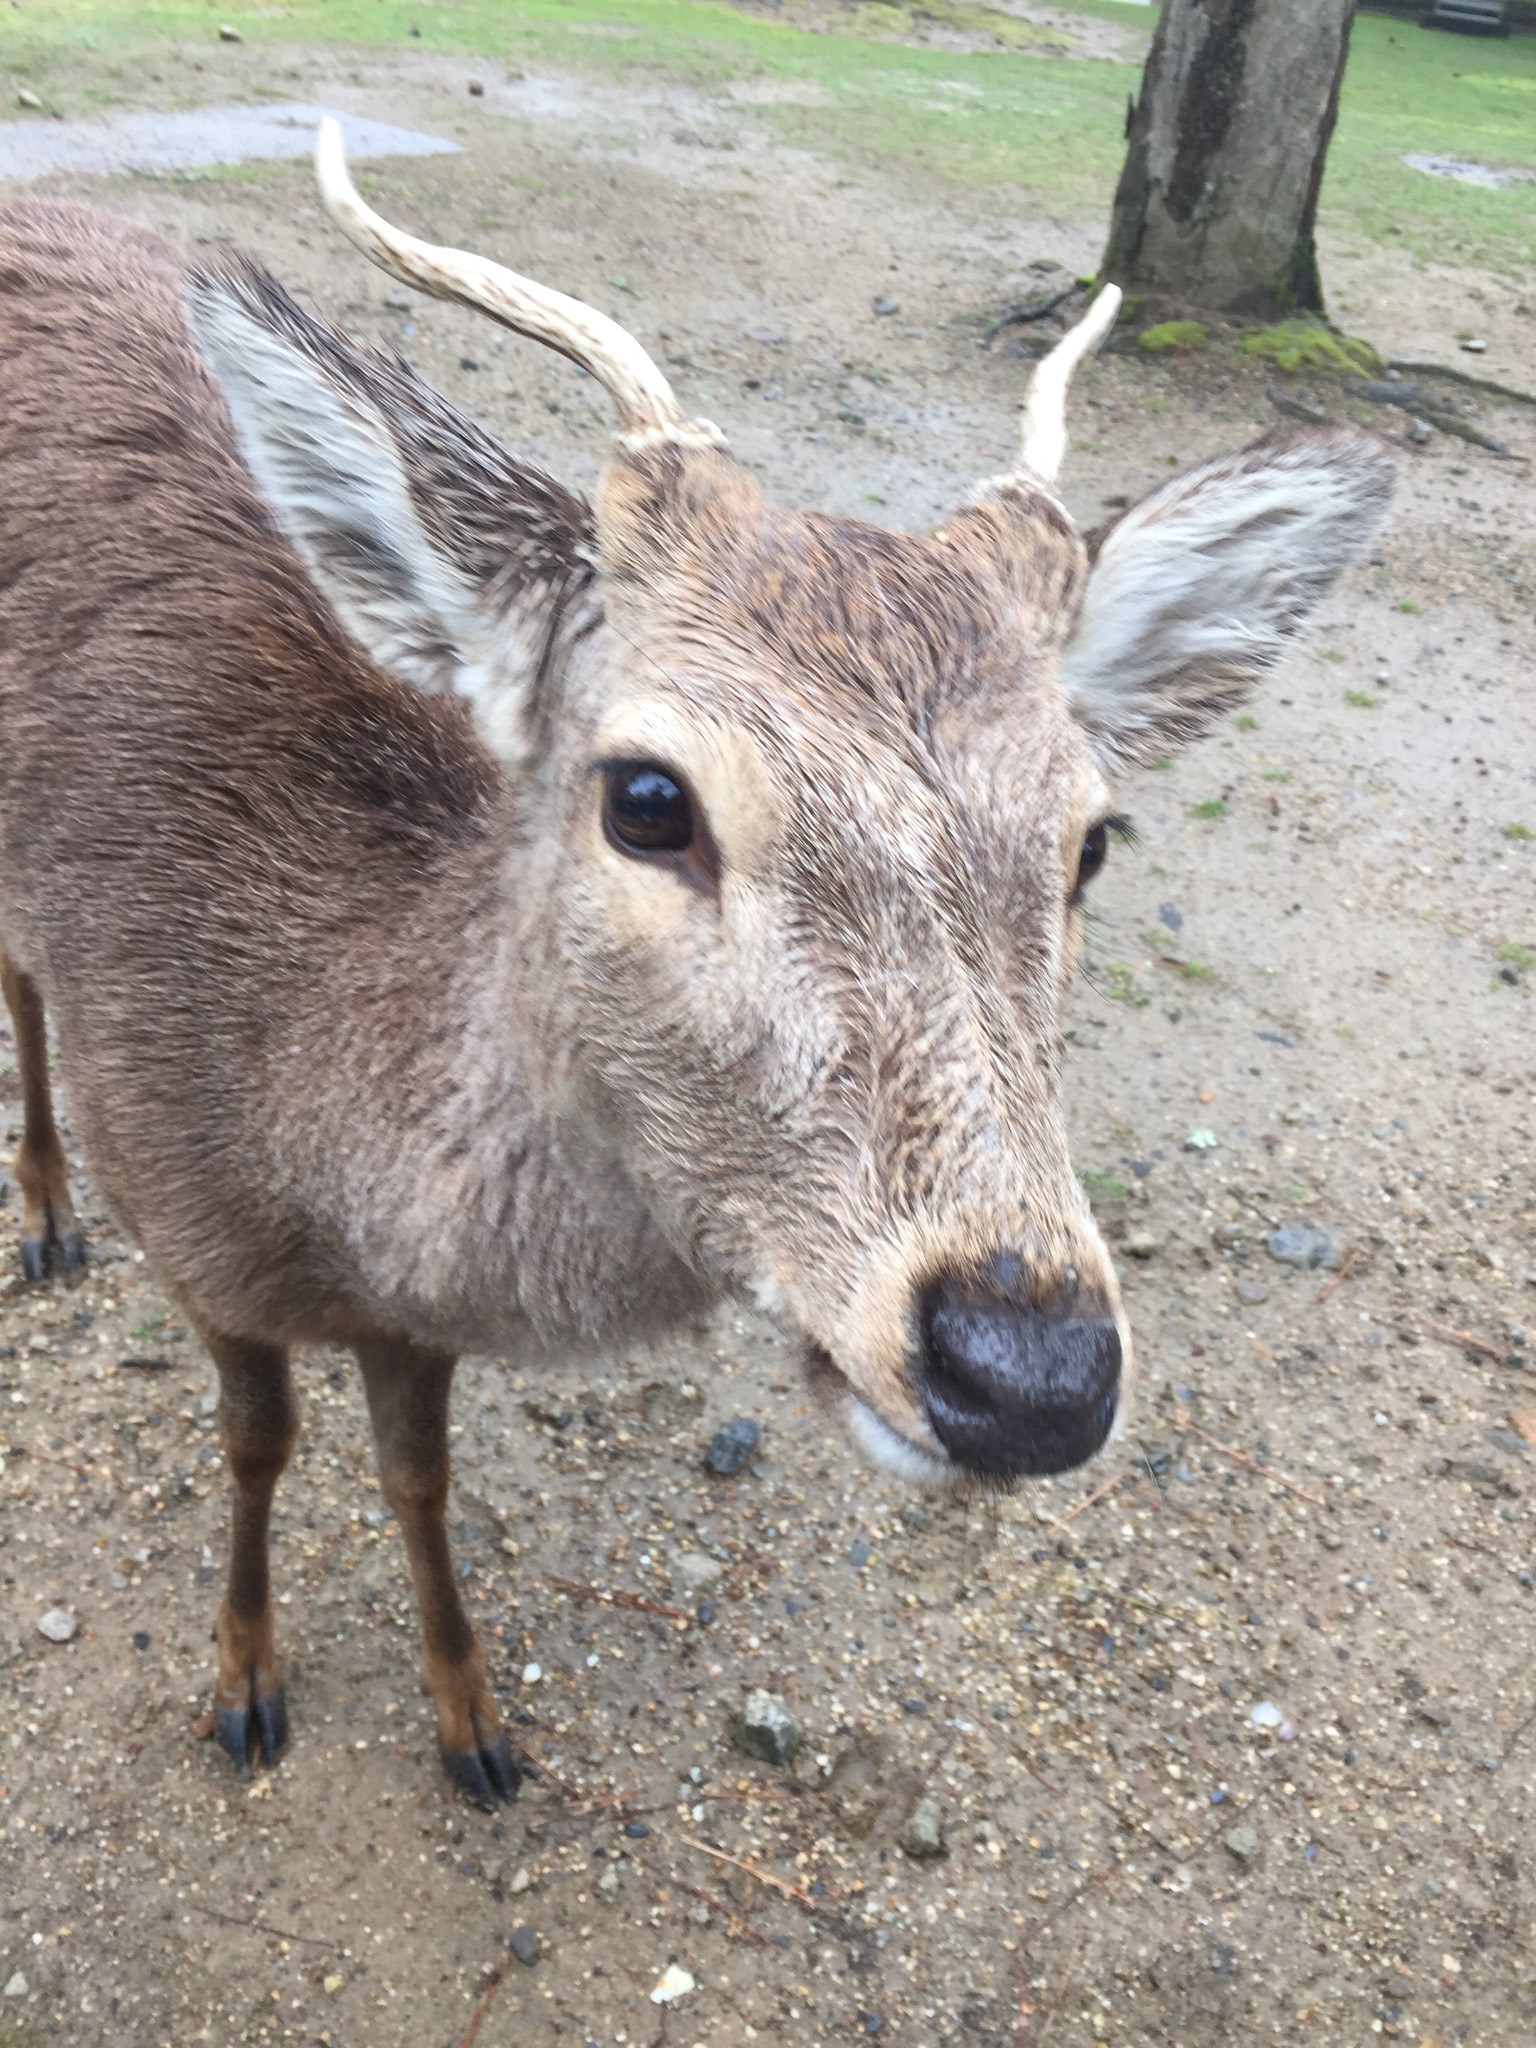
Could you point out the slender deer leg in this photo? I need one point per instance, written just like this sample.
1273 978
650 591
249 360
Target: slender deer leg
259 1418
408 1390
47 1215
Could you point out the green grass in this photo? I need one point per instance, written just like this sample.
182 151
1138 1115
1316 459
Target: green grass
1513 831
1100 1187
1362 700
1246 722
1309 345
1121 986
1212 809
1521 958
998 117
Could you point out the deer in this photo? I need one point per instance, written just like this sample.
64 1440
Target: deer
480 919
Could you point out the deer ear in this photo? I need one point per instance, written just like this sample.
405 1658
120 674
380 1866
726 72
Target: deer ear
448 562
1195 592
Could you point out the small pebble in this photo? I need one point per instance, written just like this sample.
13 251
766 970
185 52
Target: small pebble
693 1573
731 1446
524 1944
57 1626
886 306
673 1983
1243 1843
1265 1715
1142 1244
1302 1247
922 1832
332 1985
765 1728
29 100
476 89
532 1673
228 33
17 1986
521 1881
141 1639
637 1830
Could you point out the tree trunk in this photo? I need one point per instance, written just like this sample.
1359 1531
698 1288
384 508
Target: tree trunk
1218 197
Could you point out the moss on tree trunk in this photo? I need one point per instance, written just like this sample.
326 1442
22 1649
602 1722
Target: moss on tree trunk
1217 201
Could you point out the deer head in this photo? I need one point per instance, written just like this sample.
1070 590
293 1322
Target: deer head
808 808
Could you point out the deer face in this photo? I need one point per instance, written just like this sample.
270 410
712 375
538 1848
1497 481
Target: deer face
814 805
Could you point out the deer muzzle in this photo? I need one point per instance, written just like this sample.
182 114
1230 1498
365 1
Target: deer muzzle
1013 1389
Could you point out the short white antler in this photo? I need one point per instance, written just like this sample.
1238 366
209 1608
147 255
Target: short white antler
648 410
1045 406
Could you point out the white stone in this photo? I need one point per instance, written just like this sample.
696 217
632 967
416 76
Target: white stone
695 1573
672 1985
57 1625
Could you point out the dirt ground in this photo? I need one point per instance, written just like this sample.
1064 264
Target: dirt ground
1322 952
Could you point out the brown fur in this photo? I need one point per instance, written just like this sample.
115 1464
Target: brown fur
371 1038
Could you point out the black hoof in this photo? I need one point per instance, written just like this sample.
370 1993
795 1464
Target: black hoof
34 1259
271 1720
484 1775
69 1254
233 1730
258 1730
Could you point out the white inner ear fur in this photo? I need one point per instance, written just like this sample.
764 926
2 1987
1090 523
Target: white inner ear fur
328 469
1197 589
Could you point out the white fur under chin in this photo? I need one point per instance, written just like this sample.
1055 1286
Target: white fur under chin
883 1445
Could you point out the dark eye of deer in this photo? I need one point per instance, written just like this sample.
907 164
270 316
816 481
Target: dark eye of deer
644 811
1095 846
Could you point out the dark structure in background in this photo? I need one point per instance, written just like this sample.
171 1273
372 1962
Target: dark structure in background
1218 197
1476 17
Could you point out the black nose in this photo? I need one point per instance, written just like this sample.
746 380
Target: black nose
1014 1391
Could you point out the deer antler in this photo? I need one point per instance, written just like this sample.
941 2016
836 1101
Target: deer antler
648 410
1045 405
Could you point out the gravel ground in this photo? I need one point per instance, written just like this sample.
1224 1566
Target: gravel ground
1230 1738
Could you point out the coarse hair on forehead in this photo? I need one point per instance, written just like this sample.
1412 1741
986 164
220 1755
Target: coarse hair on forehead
836 606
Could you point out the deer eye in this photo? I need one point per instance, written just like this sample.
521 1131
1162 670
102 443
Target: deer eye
644 809
1095 847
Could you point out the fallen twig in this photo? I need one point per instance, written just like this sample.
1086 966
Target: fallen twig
606 1596
259 1926
477 2017
1347 1264
1465 377
1297 410
767 1877
1252 1464
727 1913
1452 423
1097 1495
1036 309
1465 1338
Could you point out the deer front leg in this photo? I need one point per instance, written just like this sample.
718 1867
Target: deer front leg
408 1389
259 1418
48 1223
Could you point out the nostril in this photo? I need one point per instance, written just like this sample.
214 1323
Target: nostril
1011 1389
